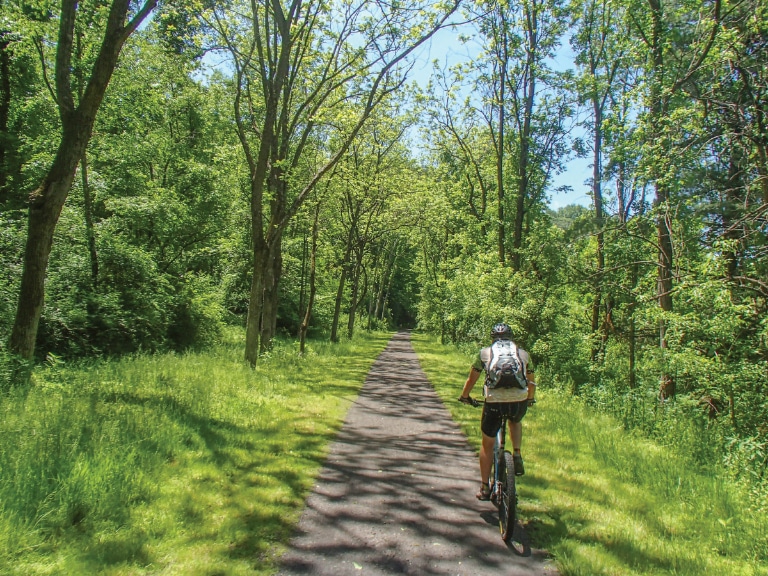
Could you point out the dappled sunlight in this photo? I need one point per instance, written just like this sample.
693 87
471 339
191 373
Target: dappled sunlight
396 492
605 501
194 462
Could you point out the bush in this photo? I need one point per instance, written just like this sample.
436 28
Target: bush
198 314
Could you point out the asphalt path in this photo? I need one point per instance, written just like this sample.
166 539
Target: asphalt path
397 492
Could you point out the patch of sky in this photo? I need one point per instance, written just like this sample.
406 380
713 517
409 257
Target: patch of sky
454 45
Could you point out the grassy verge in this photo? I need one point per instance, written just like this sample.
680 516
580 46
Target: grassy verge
603 501
192 464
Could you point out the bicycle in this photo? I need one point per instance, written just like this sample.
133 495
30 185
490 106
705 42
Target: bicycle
503 489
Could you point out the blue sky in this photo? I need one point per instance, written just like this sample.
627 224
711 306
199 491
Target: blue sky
446 47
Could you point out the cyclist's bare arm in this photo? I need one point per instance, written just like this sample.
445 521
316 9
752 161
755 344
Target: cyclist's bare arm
474 374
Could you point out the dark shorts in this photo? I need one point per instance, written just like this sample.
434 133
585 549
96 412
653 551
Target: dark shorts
492 413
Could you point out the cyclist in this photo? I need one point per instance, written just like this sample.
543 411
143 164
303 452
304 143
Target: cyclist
514 401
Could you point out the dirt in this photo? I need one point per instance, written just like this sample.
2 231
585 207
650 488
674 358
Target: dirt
397 492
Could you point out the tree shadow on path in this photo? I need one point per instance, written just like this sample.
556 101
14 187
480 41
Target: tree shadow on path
396 494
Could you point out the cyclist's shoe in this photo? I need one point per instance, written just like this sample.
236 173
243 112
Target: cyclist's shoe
518 461
484 493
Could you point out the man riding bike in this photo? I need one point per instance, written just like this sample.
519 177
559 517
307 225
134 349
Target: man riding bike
513 401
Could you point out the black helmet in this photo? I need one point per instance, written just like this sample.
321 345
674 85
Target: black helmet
501 331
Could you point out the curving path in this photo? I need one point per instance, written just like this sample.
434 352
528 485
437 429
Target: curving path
396 494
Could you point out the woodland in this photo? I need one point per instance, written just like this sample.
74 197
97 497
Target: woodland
171 169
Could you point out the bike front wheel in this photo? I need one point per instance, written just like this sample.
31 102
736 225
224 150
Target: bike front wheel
508 497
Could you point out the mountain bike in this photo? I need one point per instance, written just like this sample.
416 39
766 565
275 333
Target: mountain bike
503 490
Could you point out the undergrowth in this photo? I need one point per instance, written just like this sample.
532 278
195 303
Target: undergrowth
180 464
603 500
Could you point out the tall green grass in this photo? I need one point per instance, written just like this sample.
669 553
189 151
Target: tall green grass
174 464
604 501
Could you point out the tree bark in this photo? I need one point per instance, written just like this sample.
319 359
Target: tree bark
312 284
661 201
500 147
597 196
273 269
5 108
354 301
525 132
90 233
47 201
340 296
255 304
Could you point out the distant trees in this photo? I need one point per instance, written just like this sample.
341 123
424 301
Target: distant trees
307 77
256 164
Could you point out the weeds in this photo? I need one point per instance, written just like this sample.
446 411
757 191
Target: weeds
184 464
606 501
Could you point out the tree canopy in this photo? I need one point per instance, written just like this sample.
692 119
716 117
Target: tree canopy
276 166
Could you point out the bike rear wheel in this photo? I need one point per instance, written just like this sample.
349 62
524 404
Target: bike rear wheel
508 499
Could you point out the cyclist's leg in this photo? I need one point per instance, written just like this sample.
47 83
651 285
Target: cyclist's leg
516 435
490 423
516 411
486 457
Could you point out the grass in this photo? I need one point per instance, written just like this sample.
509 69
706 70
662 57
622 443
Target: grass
190 464
604 501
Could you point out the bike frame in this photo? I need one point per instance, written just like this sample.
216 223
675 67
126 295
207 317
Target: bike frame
504 491
498 460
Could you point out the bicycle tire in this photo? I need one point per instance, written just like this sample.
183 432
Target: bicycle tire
508 500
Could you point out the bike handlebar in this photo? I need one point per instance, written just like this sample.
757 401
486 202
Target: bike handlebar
469 400
474 403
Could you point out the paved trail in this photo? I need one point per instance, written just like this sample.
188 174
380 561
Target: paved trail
396 495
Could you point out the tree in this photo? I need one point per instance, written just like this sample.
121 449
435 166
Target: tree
522 114
666 43
77 122
306 75
370 178
600 56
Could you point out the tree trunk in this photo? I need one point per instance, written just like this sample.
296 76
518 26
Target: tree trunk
303 276
525 138
44 212
730 212
255 303
353 300
90 234
597 195
762 153
312 285
657 109
273 269
386 281
632 353
337 305
664 282
500 152
48 200
340 290
5 108
621 192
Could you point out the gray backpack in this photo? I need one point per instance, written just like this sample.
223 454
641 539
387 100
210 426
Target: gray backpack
504 368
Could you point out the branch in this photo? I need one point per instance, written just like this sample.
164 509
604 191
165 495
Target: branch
38 42
695 64
65 98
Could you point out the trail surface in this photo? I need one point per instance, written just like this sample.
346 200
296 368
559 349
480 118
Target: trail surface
397 492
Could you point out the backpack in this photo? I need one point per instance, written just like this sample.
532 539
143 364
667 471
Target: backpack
505 369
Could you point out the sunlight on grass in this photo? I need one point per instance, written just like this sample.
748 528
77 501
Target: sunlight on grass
179 464
604 501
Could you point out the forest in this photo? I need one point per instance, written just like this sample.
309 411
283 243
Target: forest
170 170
